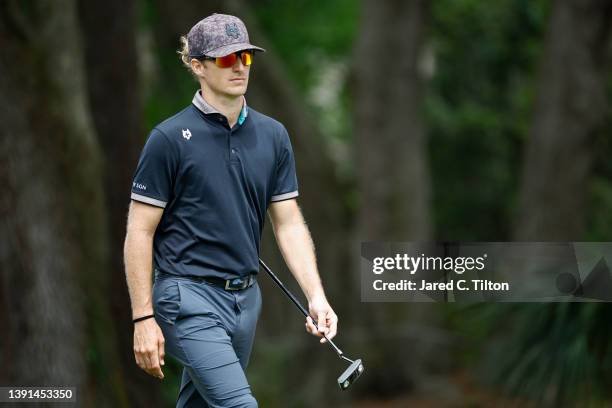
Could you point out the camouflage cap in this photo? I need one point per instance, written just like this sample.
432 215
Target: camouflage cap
218 35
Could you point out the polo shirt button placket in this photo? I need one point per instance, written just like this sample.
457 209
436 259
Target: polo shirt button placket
233 150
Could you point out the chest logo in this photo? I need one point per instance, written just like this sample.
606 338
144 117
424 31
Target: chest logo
187 134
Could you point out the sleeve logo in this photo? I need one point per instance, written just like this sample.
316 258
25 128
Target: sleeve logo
139 186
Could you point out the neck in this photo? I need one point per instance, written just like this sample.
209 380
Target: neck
228 106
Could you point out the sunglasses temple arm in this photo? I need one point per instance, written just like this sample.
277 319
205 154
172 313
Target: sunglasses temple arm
302 309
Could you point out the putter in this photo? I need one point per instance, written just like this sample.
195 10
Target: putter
356 368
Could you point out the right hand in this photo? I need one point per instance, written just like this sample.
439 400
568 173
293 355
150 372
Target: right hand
149 347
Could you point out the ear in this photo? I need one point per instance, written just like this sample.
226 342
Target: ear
198 67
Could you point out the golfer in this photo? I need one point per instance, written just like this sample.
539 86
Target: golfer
205 180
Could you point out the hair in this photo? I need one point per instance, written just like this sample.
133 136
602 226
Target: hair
184 53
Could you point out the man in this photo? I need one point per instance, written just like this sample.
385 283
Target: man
205 179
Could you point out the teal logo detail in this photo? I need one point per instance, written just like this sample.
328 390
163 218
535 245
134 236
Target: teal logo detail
232 30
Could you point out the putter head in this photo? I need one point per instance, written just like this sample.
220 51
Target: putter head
350 374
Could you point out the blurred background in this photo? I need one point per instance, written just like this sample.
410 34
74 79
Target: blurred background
457 120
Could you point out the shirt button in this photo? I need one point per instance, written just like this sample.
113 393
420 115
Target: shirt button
234 151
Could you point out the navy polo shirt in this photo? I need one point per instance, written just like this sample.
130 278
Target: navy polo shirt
215 185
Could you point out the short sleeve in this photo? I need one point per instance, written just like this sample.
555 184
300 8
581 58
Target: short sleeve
286 185
153 180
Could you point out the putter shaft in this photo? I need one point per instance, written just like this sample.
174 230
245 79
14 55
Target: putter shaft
297 303
356 368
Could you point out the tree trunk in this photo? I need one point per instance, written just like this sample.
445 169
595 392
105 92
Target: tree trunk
52 256
114 90
394 186
391 151
570 109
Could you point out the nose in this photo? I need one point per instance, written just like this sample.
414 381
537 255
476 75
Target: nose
238 65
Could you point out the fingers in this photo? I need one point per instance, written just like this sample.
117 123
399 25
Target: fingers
329 328
139 361
154 368
329 324
161 349
333 326
310 327
327 321
149 348
148 360
322 322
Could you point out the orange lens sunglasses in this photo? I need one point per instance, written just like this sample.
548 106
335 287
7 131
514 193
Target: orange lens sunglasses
229 60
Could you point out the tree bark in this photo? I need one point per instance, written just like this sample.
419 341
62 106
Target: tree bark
394 186
391 151
114 92
570 109
52 256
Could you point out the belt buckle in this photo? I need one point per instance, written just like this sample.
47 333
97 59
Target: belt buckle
229 284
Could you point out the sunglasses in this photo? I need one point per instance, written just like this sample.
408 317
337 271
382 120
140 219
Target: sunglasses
229 60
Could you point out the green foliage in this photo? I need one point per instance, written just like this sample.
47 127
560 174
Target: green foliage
600 216
267 373
556 354
314 41
173 374
478 111
599 206
306 35
169 86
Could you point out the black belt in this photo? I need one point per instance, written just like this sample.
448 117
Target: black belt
227 284
232 284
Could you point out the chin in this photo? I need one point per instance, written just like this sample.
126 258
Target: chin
236 91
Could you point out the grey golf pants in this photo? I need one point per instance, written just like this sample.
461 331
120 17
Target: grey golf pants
210 331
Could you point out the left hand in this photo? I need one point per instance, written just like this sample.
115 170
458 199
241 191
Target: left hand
319 308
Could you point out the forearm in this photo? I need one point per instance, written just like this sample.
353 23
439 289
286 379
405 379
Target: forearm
138 255
297 248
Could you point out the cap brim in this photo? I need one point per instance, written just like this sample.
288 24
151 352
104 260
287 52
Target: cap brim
231 48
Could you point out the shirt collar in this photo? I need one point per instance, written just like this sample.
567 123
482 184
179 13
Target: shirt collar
207 108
